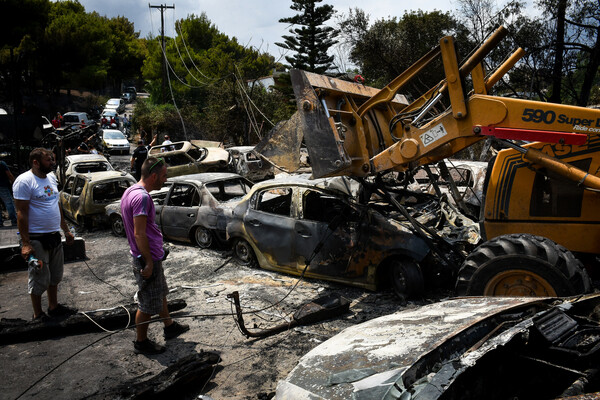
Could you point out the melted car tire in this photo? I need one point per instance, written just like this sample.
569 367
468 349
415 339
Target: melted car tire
244 253
203 237
522 265
117 227
406 278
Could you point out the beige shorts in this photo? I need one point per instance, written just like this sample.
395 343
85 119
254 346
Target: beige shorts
51 272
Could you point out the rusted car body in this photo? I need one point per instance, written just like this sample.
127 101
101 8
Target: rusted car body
184 158
85 196
285 224
85 163
248 164
193 208
465 348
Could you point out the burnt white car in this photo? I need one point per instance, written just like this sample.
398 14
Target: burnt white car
184 158
192 208
459 349
85 163
247 163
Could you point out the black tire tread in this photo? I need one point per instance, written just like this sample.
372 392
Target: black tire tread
526 245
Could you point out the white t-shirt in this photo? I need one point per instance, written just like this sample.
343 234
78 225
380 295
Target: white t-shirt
42 193
166 148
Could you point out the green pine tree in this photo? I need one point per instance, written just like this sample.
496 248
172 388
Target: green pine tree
311 39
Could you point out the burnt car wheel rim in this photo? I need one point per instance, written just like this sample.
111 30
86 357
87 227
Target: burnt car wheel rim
203 237
117 226
243 252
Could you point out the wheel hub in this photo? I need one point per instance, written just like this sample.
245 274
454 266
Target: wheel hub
519 283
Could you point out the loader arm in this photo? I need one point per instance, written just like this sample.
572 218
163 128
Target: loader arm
353 130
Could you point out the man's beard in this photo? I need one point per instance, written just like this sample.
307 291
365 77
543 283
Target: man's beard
46 170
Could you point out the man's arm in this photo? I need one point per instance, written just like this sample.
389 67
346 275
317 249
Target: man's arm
23 225
10 176
141 239
153 142
65 228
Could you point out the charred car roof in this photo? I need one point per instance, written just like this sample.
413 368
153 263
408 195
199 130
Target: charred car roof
465 348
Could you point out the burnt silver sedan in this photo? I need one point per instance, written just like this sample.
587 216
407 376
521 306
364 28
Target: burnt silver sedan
296 225
192 208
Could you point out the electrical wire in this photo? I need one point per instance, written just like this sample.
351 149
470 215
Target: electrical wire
252 102
188 53
84 313
103 281
173 96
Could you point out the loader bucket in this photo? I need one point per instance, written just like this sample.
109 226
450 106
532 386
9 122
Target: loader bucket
281 146
311 123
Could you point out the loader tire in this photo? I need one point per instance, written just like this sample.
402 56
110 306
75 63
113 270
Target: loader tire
522 265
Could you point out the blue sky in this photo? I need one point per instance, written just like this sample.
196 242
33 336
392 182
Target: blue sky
252 22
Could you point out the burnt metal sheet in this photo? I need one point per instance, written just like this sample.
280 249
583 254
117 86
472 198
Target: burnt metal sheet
373 355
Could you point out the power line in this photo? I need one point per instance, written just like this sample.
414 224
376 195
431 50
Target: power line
162 8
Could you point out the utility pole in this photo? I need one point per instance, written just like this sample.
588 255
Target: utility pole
162 8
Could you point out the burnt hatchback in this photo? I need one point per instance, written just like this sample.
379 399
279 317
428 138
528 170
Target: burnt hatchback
316 228
85 196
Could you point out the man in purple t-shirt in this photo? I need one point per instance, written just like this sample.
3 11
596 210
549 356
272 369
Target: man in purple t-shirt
146 248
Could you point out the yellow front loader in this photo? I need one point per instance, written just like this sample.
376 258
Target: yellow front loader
541 212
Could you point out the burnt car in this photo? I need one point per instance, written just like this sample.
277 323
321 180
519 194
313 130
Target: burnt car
192 208
84 163
184 158
248 164
85 196
316 227
468 178
466 348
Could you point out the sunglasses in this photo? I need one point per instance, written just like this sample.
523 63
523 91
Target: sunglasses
158 161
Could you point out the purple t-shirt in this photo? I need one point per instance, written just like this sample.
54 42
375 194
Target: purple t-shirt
136 201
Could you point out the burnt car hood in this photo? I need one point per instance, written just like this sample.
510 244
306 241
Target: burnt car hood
419 353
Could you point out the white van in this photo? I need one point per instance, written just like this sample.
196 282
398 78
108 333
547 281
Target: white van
76 118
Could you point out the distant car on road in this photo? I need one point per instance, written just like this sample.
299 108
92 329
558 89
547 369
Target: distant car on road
285 223
132 91
113 140
184 158
115 104
127 97
192 208
76 118
85 196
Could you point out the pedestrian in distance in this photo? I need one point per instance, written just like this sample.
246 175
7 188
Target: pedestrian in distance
6 181
147 251
40 219
139 156
167 141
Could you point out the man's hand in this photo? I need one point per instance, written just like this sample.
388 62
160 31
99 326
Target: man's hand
26 250
70 239
147 271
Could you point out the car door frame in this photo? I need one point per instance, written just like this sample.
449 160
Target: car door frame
336 239
176 221
271 233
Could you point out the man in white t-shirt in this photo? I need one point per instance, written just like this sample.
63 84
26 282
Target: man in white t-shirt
40 219
167 141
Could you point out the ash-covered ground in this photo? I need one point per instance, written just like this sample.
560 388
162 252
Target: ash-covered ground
249 368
